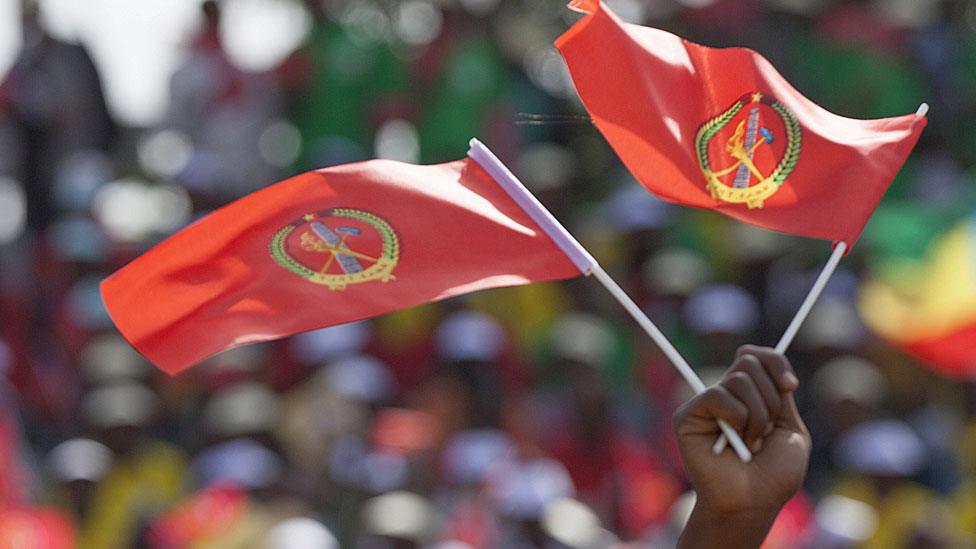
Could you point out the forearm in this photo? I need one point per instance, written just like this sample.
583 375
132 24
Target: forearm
743 530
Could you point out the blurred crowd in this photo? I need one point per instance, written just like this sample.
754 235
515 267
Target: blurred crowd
536 416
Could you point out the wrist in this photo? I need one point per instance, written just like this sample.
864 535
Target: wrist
725 528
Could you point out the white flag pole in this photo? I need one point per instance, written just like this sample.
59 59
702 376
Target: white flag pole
800 316
587 265
812 297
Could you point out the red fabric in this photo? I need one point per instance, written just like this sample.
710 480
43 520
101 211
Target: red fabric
952 354
13 479
216 285
210 514
650 92
37 528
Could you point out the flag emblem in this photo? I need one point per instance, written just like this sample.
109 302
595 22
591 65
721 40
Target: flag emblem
748 164
338 247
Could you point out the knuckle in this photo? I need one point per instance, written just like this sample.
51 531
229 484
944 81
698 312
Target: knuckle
737 380
748 349
679 416
739 415
752 365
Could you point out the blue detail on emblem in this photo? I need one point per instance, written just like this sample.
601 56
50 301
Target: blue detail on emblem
348 263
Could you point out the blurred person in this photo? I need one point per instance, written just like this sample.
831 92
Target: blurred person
613 467
468 83
223 111
468 461
145 475
521 489
17 479
722 314
397 520
846 391
54 95
76 467
342 83
242 452
475 350
639 219
880 461
737 502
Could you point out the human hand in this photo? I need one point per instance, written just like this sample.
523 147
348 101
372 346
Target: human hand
756 398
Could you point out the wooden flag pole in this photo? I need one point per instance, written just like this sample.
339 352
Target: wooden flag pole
587 265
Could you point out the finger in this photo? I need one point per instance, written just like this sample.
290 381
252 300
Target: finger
776 364
713 404
750 365
741 385
789 417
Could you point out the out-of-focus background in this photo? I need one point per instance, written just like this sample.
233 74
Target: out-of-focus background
528 417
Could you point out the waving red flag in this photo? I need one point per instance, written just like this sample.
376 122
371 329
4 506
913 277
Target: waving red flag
334 246
722 129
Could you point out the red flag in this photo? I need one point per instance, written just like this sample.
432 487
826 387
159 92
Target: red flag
333 246
721 129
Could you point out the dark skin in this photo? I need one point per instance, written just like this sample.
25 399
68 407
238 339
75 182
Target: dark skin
738 502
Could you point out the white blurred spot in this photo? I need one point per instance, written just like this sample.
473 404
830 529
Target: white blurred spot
401 515
547 166
136 46
118 405
13 210
908 13
173 207
572 523
280 143
131 210
165 153
631 11
301 533
848 519
397 139
419 22
547 70
259 34
245 408
10 34
366 21
61 18
80 459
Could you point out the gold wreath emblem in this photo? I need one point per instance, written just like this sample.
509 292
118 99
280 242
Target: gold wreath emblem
749 185
342 264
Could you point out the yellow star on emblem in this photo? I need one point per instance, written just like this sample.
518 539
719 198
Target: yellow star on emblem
308 217
757 97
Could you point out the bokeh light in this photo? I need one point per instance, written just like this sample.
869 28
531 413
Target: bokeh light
259 34
131 210
13 210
